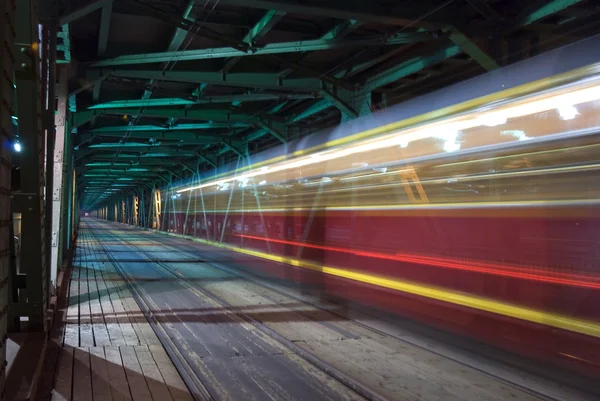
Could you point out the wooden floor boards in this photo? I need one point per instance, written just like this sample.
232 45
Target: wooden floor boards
107 349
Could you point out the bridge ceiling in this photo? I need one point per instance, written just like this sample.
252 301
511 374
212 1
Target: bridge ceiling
163 89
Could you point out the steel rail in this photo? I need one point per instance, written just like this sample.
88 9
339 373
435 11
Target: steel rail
334 373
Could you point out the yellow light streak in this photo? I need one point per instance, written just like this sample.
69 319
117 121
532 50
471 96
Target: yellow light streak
502 112
470 301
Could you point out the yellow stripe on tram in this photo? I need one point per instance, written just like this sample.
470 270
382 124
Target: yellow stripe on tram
470 301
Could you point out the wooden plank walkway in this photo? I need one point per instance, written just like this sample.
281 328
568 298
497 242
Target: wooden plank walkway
105 349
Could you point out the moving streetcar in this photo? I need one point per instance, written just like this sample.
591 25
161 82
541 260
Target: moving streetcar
475 209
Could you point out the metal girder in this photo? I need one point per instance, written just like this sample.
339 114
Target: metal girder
180 34
312 109
181 137
104 30
133 146
82 11
352 70
81 117
143 152
277 132
339 31
107 160
361 11
339 103
89 84
309 111
162 102
263 26
409 67
271 48
260 29
119 171
65 47
178 127
207 159
543 10
178 37
248 80
238 147
60 175
473 50
190 26
158 135
342 29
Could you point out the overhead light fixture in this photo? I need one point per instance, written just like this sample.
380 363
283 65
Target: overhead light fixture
17 146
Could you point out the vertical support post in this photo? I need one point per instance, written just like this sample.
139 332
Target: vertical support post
7 259
136 210
31 199
49 106
67 205
58 173
73 208
157 209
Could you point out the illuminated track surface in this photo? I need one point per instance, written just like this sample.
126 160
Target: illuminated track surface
236 337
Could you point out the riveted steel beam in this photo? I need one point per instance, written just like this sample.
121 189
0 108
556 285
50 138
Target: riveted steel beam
311 110
358 10
105 20
248 80
344 107
162 102
339 31
137 152
188 25
82 11
473 50
271 48
274 130
162 140
260 29
314 108
81 117
264 25
89 84
178 127
180 34
342 29
409 67
179 135
540 10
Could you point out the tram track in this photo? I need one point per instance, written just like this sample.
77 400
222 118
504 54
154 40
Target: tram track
255 281
197 387
361 390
